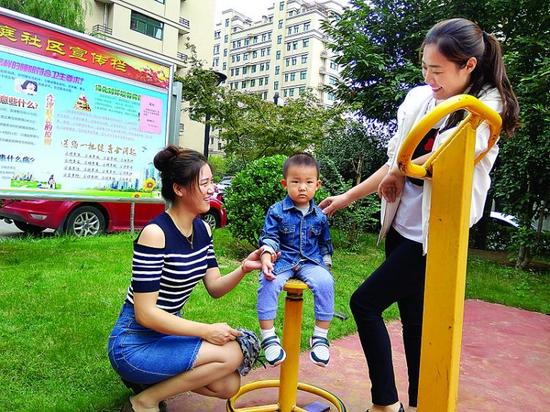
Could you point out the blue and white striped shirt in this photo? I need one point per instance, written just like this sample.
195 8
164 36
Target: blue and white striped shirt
174 270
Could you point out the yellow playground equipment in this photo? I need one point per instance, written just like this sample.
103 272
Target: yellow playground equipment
288 383
450 168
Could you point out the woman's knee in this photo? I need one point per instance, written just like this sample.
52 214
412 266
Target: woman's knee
226 387
229 356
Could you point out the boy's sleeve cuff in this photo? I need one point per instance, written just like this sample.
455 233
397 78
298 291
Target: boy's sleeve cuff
268 249
327 259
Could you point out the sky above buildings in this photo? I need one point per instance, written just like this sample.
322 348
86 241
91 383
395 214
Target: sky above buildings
252 8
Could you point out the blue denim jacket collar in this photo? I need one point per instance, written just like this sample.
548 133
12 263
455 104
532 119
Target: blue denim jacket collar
289 204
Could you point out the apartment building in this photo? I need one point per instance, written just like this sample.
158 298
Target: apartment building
159 28
280 56
284 53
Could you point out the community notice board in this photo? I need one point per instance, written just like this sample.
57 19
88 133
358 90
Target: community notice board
78 116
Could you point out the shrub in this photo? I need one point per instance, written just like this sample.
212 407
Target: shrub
252 191
218 164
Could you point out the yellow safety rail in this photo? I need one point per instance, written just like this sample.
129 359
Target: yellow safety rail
451 169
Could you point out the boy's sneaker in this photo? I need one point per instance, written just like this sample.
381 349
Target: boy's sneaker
274 352
320 354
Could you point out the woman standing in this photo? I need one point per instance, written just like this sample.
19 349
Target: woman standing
152 347
457 58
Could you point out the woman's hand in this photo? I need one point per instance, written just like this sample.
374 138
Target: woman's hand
219 333
331 204
254 260
391 186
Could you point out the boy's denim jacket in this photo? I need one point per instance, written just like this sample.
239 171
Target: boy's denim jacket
297 236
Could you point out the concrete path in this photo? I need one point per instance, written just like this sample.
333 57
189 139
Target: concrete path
505 367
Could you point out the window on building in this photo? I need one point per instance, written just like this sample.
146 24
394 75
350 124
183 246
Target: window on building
261 81
224 52
252 82
265 95
238 43
296 29
217 49
226 38
286 77
275 85
267 66
281 24
332 80
238 57
255 39
294 61
277 69
304 59
288 46
232 72
307 25
279 39
302 90
294 45
289 31
262 67
285 92
224 66
233 59
146 25
245 57
266 80
217 34
262 52
246 41
278 55
303 74
243 85
253 69
255 54
281 5
237 71
226 22
236 85
305 42
333 65
292 77
287 61
245 70
264 37
216 61
291 92
268 51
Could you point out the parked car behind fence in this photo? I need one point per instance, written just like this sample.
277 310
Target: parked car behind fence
90 218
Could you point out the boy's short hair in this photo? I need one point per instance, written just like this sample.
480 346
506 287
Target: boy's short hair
300 159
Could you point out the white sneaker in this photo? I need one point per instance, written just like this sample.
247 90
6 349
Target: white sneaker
274 352
320 354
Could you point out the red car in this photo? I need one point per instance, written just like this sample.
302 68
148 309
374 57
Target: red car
90 218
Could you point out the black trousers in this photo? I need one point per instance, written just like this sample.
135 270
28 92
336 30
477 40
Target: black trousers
399 279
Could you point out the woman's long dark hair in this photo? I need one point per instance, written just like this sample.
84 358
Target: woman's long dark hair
459 40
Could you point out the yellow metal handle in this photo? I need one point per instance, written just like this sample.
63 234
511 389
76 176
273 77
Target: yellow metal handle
478 112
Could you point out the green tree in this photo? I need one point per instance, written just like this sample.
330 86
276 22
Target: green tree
250 126
358 149
378 47
67 13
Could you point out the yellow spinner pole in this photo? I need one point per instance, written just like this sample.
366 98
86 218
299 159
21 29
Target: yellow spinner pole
451 168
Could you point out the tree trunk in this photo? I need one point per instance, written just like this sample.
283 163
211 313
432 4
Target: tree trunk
359 170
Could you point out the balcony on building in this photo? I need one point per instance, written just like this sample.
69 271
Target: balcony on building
182 56
184 25
100 30
322 70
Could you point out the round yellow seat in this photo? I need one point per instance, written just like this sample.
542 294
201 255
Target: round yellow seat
288 379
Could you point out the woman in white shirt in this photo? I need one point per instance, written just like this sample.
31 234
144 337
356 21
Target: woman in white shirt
457 58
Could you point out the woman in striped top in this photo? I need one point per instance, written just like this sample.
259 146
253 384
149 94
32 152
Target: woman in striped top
151 346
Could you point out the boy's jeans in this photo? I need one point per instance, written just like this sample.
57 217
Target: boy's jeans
318 279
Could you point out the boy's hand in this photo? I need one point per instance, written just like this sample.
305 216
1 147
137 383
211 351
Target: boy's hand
267 266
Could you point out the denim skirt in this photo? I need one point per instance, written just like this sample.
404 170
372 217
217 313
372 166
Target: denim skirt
141 355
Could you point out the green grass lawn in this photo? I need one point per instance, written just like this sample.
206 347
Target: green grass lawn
59 297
